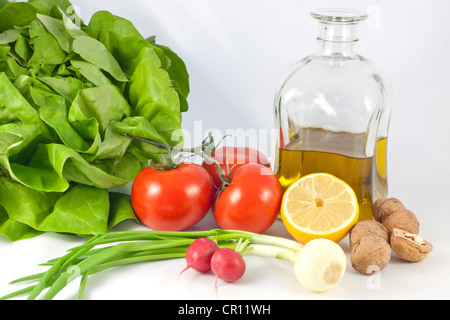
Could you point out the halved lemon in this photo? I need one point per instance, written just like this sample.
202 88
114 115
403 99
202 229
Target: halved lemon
319 205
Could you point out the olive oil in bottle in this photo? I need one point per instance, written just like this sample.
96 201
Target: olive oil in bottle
339 153
332 112
380 171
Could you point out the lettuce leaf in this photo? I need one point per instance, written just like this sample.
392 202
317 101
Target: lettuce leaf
69 94
124 42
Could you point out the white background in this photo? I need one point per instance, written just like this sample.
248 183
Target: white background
236 51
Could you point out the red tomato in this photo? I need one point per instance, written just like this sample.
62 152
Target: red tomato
236 157
251 202
172 200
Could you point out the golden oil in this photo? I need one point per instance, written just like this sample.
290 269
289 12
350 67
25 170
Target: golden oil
340 154
380 172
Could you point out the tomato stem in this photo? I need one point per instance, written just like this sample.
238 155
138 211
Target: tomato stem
205 150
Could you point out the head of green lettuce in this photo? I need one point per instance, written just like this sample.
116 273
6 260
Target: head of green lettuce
69 94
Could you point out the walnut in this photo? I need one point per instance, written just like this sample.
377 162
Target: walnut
404 219
409 246
393 214
395 228
382 208
365 228
370 254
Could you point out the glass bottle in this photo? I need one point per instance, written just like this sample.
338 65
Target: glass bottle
332 113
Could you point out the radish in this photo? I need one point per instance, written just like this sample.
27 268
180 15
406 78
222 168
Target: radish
319 265
199 254
227 265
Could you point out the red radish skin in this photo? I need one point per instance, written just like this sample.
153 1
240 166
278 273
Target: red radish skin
227 265
199 254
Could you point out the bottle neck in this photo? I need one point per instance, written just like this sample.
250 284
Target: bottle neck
337 41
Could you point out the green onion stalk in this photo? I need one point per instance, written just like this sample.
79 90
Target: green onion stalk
319 265
114 249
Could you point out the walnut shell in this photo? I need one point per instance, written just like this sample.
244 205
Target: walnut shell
382 208
370 255
409 246
404 219
365 228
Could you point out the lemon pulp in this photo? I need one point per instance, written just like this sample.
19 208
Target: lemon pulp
319 205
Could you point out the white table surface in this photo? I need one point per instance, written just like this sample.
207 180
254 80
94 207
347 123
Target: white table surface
265 278
235 52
